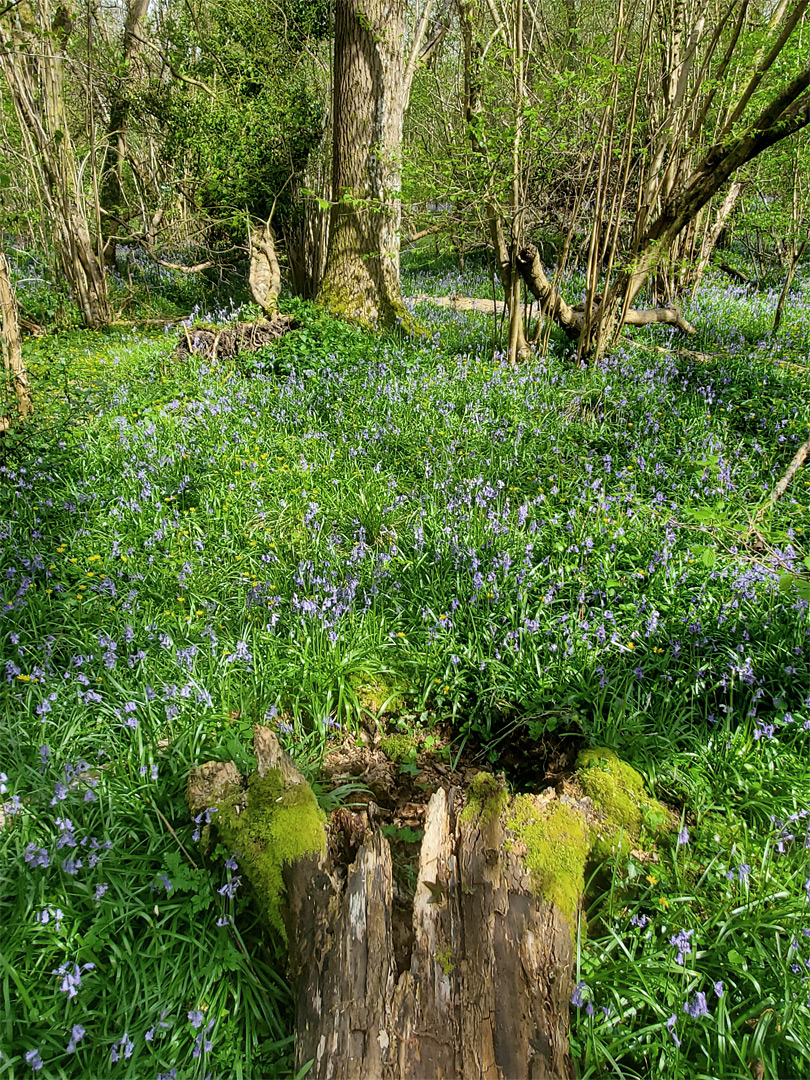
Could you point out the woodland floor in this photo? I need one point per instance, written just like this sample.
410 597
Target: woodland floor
381 544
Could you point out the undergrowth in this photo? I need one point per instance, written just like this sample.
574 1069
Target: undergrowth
188 549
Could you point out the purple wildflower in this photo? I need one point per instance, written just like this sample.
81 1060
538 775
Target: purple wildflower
33 1059
681 942
697 1007
671 1029
76 1035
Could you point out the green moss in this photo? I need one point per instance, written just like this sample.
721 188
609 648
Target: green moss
376 693
557 847
618 792
486 799
278 825
399 747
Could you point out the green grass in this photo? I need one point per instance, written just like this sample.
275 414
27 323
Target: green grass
189 549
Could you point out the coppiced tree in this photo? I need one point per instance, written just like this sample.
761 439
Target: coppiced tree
35 36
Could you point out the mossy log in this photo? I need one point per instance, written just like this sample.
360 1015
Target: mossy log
478 983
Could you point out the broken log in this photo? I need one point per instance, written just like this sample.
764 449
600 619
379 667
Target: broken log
472 978
230 341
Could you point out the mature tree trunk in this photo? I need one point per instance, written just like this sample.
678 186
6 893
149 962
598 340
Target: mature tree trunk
112 181
12 347
474 981
361 279
33 47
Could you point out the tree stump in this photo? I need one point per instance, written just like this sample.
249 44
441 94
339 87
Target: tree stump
477 985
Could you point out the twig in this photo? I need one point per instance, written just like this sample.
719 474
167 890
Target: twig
171 830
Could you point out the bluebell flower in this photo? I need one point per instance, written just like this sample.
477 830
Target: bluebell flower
33 1059
697 1007
671 1029
76 1035
680 941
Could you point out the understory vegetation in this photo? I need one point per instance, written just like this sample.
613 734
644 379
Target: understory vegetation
495 555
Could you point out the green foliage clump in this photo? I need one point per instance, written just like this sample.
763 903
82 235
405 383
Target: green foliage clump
279 825
400 746
557 848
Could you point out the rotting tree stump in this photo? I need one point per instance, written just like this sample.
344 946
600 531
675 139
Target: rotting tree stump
479 987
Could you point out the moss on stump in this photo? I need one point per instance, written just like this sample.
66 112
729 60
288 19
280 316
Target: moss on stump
274 825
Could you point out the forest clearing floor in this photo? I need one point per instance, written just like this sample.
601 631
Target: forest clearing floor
407 554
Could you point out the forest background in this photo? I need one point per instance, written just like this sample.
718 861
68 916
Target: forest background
530 498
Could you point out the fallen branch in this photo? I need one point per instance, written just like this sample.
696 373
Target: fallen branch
196 269
572 319
781 487
463 303
736 275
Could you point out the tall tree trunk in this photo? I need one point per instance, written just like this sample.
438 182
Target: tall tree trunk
32 57
361 279
713 234
12 347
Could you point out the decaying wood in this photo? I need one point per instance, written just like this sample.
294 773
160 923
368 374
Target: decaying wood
265 272
16 374
231 340
482 988
487 986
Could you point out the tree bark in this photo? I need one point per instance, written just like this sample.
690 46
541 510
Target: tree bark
480 985
32 58
713 234
12 346
361 278
265 272
572 319
487 986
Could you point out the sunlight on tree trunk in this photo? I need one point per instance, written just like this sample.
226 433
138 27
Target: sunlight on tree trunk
12 347
361 279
